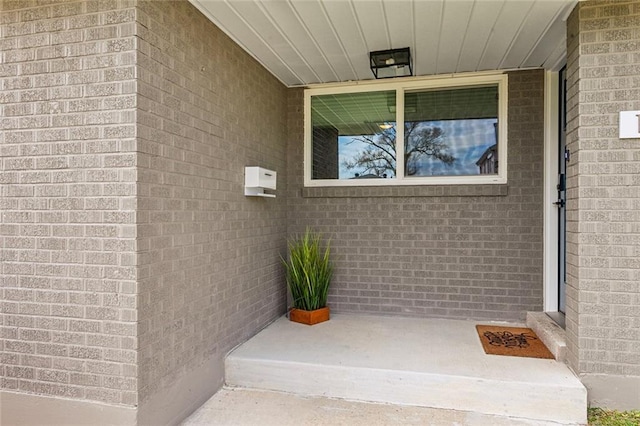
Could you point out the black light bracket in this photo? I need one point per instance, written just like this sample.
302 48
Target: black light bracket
391 63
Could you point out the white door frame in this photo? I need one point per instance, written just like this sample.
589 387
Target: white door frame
551 129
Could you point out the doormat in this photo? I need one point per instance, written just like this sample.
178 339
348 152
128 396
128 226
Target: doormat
512 341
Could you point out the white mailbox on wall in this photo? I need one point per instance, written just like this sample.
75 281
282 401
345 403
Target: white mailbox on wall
257 179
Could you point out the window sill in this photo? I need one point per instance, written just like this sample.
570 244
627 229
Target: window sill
501 190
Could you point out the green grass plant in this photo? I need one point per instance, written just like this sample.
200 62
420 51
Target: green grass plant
308 271
601 417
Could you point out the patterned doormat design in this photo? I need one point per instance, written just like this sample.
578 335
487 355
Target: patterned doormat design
512 341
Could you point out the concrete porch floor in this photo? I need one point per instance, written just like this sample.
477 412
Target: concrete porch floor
406 363
251 407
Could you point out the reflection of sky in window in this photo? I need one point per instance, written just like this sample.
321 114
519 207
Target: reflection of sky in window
348 149
467 140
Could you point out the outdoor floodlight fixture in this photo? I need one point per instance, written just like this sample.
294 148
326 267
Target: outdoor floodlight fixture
391 63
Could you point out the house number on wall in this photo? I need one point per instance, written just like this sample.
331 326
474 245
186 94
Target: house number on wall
629 124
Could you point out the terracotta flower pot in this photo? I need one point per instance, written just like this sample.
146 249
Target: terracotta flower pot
309 317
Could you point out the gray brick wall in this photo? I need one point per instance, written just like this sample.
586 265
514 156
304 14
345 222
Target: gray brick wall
454 251
603 317
67 185
130 255
209 274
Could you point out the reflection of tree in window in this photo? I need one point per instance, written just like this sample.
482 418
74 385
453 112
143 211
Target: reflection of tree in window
423 142
379 156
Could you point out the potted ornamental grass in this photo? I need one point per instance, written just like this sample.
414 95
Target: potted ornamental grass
308 272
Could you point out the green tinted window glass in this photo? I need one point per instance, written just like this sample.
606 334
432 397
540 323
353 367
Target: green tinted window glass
354 136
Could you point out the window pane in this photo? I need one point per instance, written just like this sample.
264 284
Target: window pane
451 132
354 136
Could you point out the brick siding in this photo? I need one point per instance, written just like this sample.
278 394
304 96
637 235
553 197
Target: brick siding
434 251
210 273
68 249
130 255
603 297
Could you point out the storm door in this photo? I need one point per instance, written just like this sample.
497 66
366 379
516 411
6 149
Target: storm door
563 158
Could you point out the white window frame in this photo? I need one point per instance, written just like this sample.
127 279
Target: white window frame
401 86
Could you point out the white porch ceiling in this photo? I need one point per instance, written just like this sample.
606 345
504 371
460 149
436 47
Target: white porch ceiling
319 41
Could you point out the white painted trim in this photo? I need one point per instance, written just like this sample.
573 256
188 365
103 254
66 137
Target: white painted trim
308 151
440 81
399 134
551 123
400 85
419 78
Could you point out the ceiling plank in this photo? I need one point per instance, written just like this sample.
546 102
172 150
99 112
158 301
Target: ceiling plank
555 34
427 22
455 21
236 27
321 28
507 26
372 22
481 25
254 14
317 41
557 58
288 22
400 23
535 24
343 18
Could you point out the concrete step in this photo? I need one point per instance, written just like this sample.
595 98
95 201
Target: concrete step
552 335
422 362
